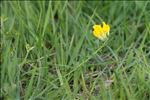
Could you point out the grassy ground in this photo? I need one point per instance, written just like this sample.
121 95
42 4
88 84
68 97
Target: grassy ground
48 51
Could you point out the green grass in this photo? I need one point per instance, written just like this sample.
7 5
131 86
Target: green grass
48 51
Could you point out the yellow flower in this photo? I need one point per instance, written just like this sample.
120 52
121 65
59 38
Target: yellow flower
101 31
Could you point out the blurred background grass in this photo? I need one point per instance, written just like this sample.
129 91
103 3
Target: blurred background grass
48 51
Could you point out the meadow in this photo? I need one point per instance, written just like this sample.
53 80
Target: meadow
48 50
